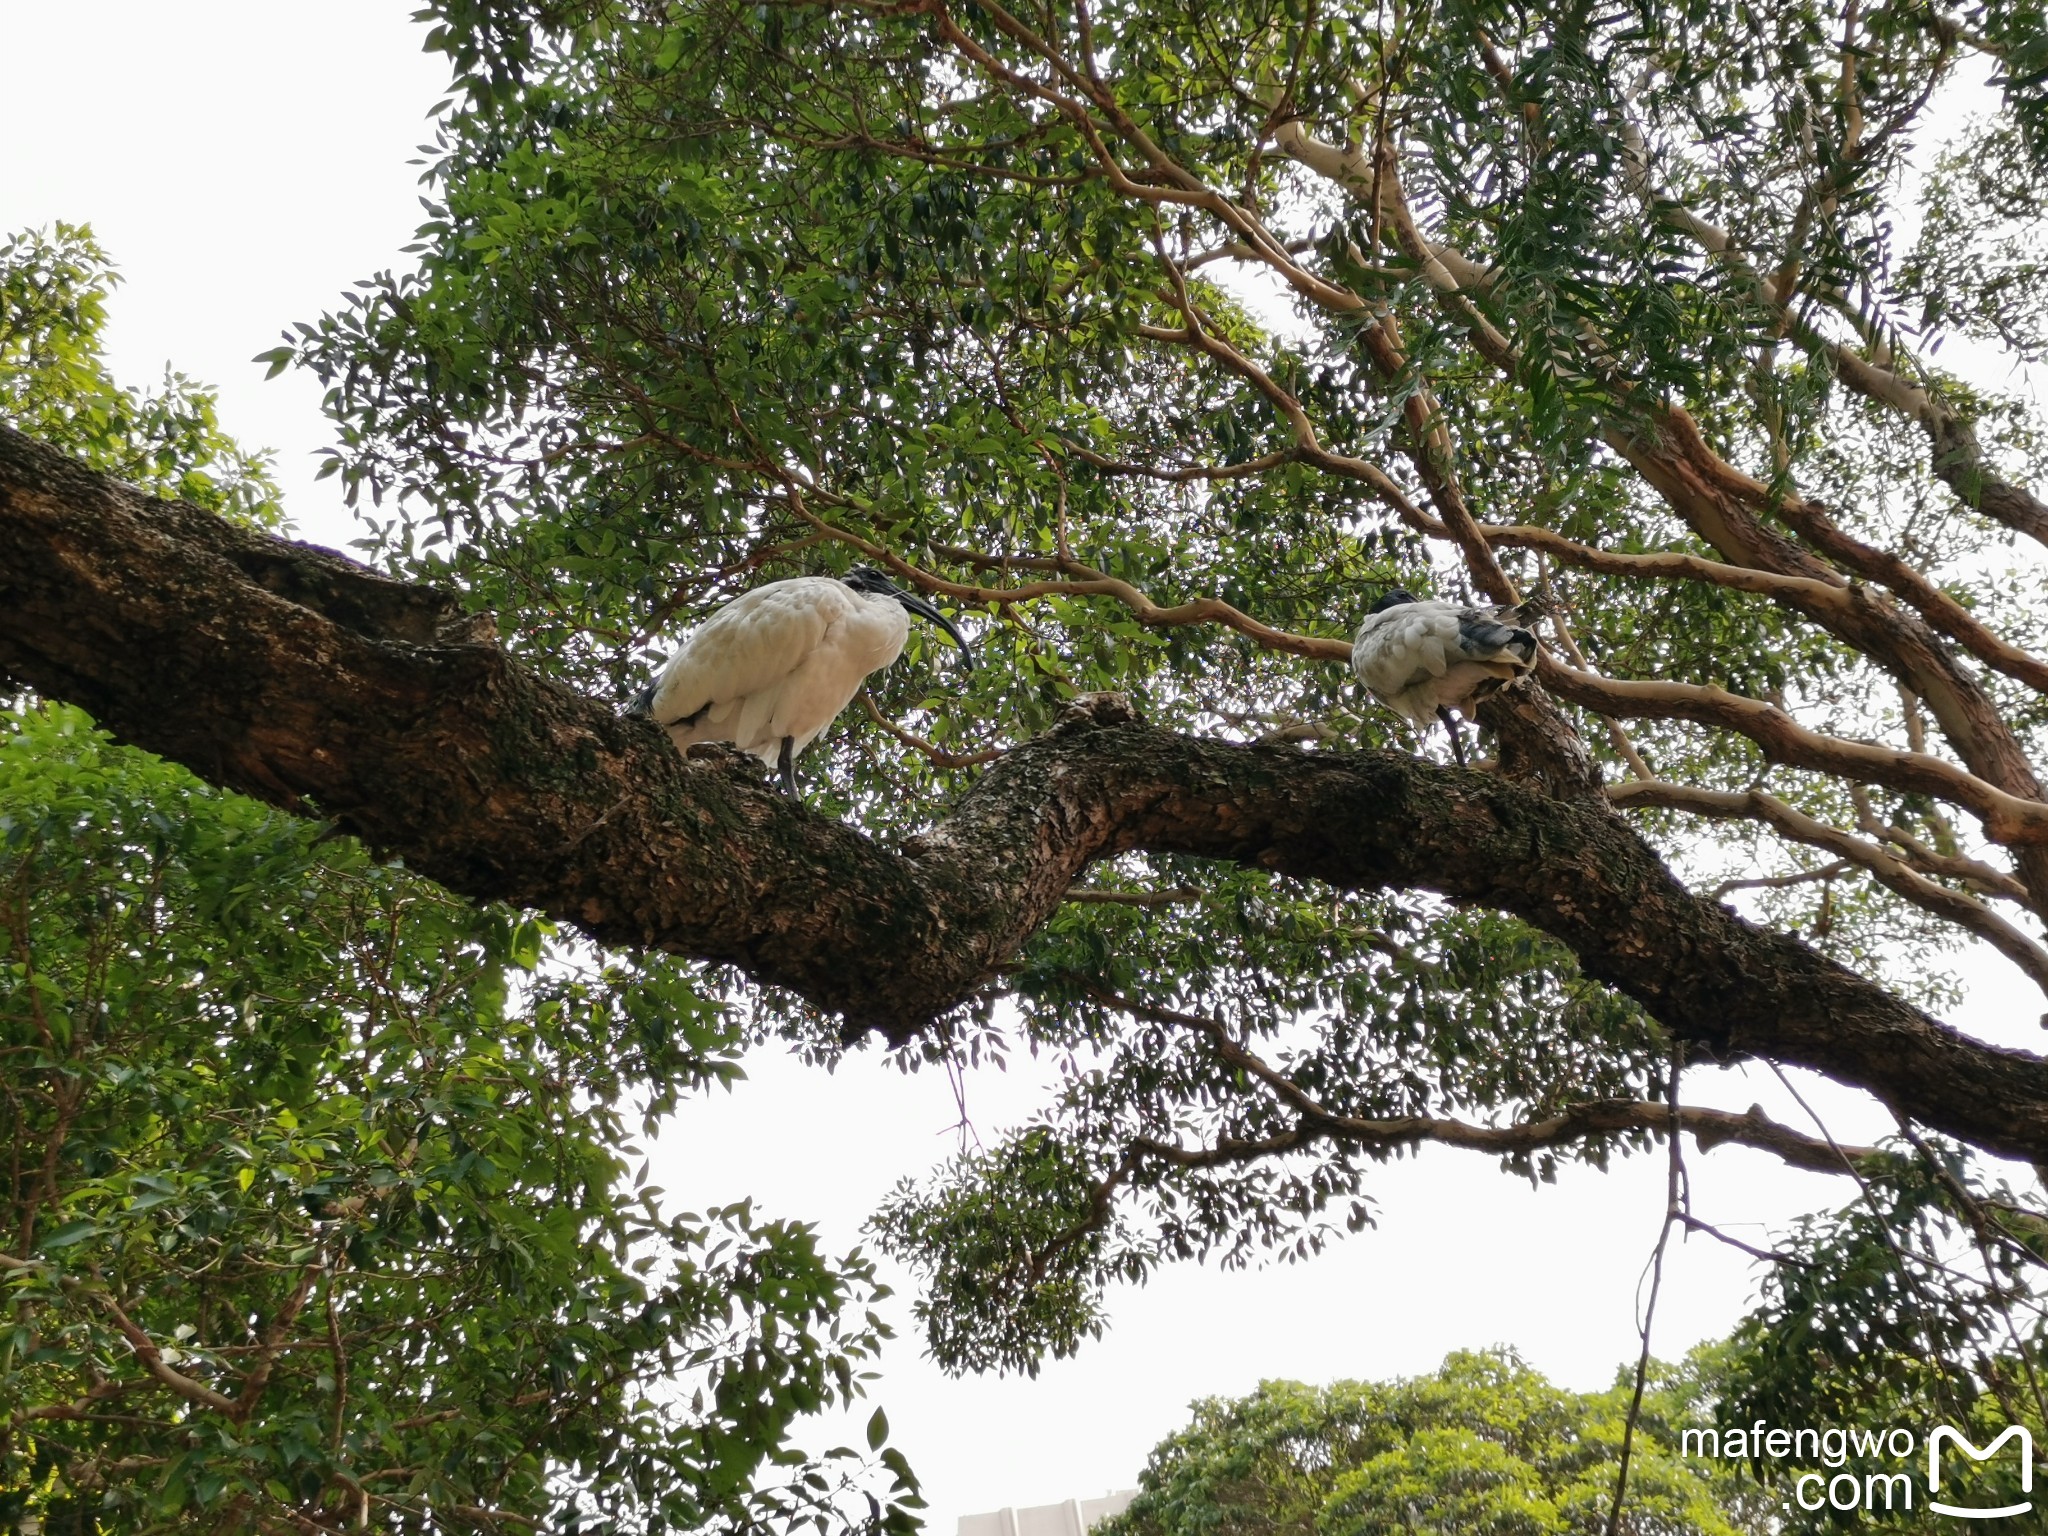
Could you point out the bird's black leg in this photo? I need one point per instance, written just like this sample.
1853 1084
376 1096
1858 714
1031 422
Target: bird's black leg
783 761
1451 724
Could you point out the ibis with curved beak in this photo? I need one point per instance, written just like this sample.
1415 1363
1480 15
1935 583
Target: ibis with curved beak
775 666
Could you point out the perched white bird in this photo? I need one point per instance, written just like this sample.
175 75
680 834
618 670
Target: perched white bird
773 667
1424 659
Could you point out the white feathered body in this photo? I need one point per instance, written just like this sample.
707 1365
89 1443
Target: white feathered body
779 661
1420 657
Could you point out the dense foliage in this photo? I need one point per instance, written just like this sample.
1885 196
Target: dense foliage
1161 337
54 384
1484 1446
1912 1306
320 1203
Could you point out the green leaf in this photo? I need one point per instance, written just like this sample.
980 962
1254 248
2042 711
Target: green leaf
69 1233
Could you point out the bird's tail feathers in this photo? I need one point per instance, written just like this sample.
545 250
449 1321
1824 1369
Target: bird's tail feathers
1481 636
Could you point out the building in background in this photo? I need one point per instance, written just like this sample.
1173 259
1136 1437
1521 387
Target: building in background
1072 1518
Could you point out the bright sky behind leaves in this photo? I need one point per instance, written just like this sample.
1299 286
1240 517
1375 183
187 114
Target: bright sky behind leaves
244 162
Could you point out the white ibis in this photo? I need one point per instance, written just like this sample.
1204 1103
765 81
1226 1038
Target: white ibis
1422 659
773 667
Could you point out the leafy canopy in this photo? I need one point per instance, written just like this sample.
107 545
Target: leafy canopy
1484 1446
54 385
1158 336
321 1209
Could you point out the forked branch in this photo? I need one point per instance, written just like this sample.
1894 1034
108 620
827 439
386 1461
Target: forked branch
297 676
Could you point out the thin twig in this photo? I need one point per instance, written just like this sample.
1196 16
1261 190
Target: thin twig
1781 882
930 749
1172 896
1674 1215
1765 1255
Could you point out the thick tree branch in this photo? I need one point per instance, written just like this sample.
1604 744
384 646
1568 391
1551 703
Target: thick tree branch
297 676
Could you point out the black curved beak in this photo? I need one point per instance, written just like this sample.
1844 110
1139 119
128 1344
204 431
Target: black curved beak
925 610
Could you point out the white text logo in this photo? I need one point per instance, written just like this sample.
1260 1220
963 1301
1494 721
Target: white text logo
1955 1437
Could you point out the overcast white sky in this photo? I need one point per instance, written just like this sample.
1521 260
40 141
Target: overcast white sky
244 162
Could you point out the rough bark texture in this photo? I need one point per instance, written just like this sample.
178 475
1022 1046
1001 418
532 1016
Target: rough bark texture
294 675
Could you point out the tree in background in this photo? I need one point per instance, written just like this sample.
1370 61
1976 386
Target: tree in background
54 384
1485 1446
1164 337
319 1210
